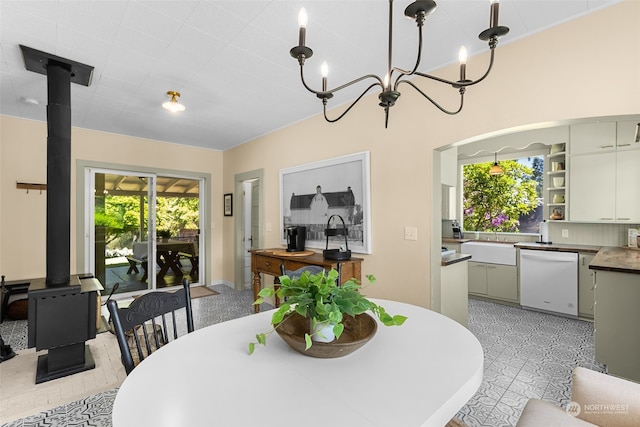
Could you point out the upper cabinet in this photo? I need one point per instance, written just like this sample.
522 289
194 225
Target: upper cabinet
593 195
605 173
449 167
626 135
628 186
593 137
449 179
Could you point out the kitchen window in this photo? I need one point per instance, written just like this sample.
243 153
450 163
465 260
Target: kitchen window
511 202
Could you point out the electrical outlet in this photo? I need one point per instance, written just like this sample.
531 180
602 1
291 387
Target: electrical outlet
565 232
410 233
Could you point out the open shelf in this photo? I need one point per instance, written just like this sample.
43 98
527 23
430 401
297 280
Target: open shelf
556 155
556 170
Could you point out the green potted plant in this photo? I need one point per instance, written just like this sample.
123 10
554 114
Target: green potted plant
319 298
163 235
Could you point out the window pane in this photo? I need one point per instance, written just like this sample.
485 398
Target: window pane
510 202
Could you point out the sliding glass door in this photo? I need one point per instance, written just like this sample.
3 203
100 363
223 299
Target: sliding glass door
143 230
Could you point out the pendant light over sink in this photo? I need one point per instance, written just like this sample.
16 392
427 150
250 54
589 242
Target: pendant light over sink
496 169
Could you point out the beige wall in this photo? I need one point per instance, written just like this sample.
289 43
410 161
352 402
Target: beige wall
23 158
585 68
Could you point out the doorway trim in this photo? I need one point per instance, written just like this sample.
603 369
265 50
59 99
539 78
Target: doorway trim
239 219
82 186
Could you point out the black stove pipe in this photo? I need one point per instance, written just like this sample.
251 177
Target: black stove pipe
62 308
58 174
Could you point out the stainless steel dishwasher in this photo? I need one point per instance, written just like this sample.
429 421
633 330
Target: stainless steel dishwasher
549 281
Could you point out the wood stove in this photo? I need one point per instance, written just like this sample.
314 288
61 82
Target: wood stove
62 308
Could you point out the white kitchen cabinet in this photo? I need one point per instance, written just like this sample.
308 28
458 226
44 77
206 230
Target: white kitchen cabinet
604 187
454 291
626 135
617 336
586 285
494 281
449 205
592 138
628 186
592 196
449 167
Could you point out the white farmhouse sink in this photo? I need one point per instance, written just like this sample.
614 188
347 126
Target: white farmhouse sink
494 253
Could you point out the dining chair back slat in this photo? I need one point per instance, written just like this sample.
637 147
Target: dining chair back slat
143 327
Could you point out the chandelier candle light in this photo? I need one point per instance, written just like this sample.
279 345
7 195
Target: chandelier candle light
418 11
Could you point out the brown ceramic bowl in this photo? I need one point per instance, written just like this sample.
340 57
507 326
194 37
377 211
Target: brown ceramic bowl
357 332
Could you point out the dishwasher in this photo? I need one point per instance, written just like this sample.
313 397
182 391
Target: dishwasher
549 281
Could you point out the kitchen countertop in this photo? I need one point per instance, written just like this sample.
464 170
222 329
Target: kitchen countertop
621 260
452 240
617 259
558 247
454 258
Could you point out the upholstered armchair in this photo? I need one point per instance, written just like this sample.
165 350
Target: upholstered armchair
596 399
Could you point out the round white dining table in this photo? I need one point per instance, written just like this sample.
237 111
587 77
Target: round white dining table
417 374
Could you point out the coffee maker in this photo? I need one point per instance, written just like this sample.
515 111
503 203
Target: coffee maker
296 236
457 230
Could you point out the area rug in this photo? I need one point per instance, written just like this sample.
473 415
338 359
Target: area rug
202 291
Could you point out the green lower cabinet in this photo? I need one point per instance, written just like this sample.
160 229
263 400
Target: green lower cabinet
495 281
617 335
586 285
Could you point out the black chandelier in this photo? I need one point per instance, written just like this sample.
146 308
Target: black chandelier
418 10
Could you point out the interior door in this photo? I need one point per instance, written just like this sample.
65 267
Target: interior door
251 225
255 216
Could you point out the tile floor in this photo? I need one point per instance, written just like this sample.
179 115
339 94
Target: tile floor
527 354
95 410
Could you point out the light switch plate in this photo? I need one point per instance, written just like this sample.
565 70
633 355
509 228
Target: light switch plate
410 233
268 226
565 232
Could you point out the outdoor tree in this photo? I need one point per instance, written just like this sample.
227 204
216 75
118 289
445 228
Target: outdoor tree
120 217
537 164
496 202
175 213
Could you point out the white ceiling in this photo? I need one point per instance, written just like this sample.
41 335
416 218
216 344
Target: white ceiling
230 59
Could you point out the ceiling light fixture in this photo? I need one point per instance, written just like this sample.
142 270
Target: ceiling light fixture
496 169
418 10
173 105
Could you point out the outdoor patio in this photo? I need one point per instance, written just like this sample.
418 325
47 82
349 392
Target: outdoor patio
116 272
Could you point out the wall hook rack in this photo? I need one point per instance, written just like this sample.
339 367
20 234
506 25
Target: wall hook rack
30 186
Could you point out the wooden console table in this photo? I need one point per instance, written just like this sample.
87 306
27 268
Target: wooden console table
268 261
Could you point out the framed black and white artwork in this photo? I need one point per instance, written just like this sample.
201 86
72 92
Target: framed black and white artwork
312 193
228 204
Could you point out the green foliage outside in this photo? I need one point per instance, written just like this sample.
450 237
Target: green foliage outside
120 218
495 203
